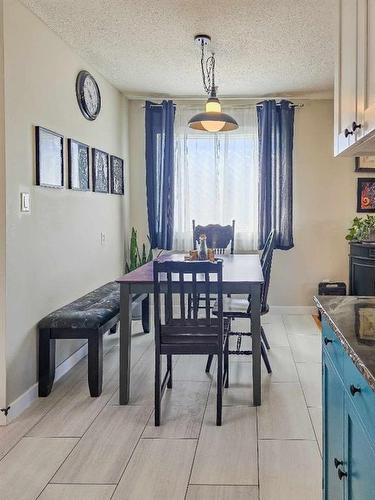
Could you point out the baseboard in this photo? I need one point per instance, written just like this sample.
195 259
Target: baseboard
292 309
20 404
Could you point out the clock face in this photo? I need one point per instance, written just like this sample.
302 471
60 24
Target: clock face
88 95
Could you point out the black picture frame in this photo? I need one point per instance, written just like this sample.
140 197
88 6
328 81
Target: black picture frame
117 175
78 171
49 158
361 194
100 171
362 164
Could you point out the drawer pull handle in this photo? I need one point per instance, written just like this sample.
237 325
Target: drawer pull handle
341 474
327 341
356 125
348 132
354 389
337 462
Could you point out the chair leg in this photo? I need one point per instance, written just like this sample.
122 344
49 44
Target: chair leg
219 396
95 362
209 362
190 305
265 340
226 363
265 358
169 369
157 389
47 347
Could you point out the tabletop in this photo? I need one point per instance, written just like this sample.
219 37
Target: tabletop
237 268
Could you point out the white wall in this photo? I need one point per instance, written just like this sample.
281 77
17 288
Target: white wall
54 254
324 204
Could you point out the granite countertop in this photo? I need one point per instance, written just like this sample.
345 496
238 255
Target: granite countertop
353 320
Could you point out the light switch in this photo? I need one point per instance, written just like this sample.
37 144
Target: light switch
25 202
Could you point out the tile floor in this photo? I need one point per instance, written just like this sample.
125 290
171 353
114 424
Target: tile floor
70 446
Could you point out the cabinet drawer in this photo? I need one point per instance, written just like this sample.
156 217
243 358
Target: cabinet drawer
332 346
364 399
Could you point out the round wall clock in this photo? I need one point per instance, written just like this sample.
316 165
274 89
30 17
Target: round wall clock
88 95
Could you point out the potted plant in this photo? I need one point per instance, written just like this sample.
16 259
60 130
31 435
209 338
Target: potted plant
362 229
137 258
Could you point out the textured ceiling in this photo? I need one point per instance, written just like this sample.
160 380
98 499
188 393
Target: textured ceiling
146 46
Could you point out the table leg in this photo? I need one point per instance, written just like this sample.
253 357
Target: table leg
125 343
256 343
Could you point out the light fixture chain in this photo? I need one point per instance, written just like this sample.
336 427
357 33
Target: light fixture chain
208 71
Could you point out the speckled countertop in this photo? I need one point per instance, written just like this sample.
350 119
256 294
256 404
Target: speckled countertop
353 320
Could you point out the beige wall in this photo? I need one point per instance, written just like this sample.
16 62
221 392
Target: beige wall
3 400
324 204
54 254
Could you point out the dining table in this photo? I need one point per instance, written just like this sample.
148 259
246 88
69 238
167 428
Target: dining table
242 274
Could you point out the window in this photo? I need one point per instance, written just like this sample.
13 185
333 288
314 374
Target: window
216 178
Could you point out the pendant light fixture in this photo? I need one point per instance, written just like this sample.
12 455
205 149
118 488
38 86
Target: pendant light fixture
213 119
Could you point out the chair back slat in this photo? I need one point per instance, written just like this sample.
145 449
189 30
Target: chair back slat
218 237
182 297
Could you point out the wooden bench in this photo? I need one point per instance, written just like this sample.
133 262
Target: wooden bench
89 317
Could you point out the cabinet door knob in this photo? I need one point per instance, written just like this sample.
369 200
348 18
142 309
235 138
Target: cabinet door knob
356 125
348 132
354 389
337 462
327 341
341 474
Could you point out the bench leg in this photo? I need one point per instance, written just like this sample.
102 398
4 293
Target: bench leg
46 362
146 314
95 362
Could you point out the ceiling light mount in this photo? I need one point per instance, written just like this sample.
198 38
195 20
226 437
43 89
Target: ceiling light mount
213 119
202 40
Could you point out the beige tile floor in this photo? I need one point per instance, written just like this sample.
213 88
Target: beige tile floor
70 446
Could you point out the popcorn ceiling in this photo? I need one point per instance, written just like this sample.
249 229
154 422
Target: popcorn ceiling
146 47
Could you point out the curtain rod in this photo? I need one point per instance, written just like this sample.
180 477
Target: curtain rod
155 105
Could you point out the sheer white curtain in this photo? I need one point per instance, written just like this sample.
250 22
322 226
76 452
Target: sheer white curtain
216 177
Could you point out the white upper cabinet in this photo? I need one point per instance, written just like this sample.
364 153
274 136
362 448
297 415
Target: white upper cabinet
355 78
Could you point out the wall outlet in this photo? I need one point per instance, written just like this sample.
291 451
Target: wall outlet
25 202
102 238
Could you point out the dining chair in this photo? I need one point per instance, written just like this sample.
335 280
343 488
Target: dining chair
218 237
241 308
178 334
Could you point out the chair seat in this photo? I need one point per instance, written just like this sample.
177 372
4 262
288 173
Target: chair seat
236 308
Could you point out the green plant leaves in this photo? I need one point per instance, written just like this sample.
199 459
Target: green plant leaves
361 228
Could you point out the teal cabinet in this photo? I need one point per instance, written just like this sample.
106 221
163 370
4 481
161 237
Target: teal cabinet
333 408
348 426
359 457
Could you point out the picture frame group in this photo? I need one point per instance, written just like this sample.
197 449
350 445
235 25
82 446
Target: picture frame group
107 171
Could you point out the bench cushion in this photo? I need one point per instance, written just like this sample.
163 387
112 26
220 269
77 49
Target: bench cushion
90 311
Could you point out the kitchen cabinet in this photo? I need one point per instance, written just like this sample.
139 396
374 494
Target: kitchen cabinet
348 425
355 79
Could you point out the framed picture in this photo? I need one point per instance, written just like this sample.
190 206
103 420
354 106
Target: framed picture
49 148
366 194
365 164
78 166
100 171
117 175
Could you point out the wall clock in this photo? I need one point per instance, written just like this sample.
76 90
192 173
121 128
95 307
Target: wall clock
88 95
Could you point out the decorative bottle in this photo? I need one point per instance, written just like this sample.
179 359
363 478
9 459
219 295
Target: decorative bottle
203 255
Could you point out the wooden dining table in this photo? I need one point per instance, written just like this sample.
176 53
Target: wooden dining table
242 274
